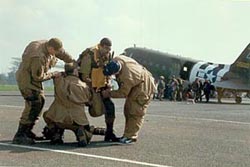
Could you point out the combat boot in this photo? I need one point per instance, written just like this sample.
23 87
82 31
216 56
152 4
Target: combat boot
48 133
126 140
83 136
99 131
57 137
31 134
109 134
21 136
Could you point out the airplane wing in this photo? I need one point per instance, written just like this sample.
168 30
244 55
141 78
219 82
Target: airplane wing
232 84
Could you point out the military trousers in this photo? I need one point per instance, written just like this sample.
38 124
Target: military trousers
134 117
34 102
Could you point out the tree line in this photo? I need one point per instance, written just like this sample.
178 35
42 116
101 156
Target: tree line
10 78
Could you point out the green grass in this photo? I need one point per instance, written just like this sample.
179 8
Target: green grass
8 88
15 88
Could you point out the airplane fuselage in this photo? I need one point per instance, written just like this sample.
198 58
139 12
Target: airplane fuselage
234 77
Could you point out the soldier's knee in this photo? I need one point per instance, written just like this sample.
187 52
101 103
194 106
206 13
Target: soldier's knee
36 108
109 105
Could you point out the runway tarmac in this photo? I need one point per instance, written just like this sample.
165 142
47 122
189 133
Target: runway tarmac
174 134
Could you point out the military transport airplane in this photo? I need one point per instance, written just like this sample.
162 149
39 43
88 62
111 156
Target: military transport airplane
234 78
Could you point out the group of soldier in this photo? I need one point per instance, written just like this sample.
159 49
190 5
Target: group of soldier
85 82
176 90
171 90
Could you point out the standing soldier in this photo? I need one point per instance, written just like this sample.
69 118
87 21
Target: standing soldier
136 84
37 59
207 90
161 87
92 61
180 89
196 86
174 87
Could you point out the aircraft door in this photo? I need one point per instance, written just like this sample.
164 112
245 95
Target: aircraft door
186 69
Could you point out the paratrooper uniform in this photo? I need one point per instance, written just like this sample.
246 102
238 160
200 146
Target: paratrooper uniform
67 110
136 84
91 69
33 70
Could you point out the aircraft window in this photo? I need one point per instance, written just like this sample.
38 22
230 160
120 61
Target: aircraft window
185 68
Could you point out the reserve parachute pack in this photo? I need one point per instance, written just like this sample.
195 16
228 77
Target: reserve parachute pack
97 107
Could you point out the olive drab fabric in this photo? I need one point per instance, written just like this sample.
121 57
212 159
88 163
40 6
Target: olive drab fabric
97 107
71 95
35 64
33 107
33 70
91 71
136 84
91 66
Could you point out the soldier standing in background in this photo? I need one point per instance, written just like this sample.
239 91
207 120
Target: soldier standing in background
136 84
92 61
37 59
174 87
180 89
161 87
196 86
207 89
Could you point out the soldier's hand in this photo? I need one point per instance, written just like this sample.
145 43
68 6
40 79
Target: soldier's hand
63 74
109 87
56 74
87 80
106 93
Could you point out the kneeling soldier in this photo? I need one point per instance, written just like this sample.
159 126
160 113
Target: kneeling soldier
67 110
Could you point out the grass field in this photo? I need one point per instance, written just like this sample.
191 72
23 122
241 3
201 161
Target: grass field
15 88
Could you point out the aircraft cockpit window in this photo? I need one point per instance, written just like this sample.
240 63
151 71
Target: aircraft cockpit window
185 68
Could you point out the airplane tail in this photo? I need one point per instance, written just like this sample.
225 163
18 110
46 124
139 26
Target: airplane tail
243 61
240 69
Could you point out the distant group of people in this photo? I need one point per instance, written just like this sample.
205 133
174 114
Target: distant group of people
200 89
176 90
85 82
171 90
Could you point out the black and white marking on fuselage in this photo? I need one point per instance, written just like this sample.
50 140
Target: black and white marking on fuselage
212 72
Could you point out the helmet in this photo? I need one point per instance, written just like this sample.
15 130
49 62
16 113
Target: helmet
111 68
69 67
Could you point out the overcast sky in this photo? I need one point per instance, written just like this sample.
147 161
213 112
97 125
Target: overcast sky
214 30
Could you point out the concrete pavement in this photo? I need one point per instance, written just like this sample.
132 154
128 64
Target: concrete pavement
174 134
